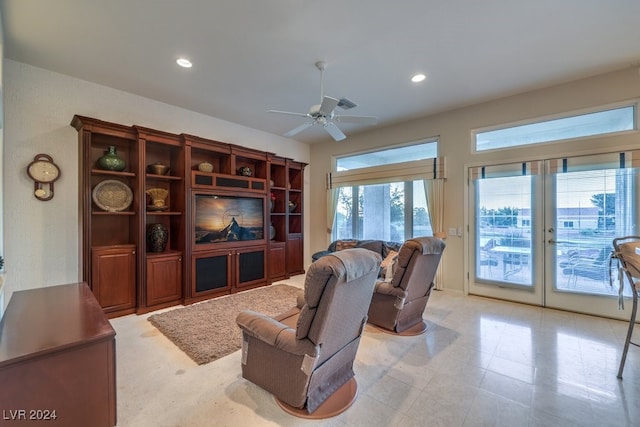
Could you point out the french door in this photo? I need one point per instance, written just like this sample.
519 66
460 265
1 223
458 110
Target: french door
542 231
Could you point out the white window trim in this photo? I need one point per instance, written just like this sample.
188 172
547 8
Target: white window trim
428 140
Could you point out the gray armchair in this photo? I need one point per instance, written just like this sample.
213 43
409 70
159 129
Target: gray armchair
397 305
306 355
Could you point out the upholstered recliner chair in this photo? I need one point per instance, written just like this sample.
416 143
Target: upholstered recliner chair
305 357
398 302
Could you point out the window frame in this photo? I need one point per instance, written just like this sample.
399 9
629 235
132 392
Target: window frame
635 103
429 140
408 181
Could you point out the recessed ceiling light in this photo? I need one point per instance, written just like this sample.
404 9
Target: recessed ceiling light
183 62
418 78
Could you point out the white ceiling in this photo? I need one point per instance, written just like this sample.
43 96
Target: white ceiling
252 56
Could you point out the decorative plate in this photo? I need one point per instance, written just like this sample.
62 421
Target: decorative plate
112 196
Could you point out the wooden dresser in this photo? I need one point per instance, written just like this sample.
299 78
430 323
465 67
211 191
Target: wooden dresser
57 359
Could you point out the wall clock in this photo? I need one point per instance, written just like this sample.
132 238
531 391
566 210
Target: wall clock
44 173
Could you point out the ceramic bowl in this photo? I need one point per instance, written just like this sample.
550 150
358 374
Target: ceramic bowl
158 169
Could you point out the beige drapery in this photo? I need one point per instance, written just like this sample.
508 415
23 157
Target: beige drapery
332 203
626 159
433 168
615 160
506 170
434 190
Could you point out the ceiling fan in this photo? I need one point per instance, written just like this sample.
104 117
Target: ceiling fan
323 114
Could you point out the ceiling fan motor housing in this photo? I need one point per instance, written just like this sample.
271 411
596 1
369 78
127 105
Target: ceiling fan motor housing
315 112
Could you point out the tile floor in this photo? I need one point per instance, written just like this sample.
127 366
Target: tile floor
482 363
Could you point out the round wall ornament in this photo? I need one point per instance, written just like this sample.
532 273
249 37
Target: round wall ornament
44 172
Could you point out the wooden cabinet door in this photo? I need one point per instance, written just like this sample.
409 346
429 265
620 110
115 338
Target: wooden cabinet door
251 266
294 255
211 272
113 277
277 263
164 278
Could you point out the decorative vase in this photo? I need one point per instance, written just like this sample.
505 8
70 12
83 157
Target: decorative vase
158 168
111 161
292 206
157 237
245 171
272 232
158 196
205 167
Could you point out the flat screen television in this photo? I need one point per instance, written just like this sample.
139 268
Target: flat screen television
228 218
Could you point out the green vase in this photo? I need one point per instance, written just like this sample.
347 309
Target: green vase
111 161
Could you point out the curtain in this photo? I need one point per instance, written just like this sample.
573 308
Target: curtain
505 170
434 191
433 168
332 203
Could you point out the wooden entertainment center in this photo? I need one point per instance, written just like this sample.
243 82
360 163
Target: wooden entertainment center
262 240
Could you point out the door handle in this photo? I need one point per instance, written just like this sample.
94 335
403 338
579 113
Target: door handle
554 242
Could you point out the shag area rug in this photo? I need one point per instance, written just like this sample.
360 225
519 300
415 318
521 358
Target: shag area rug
207 331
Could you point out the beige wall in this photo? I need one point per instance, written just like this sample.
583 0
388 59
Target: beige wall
41 238
454 131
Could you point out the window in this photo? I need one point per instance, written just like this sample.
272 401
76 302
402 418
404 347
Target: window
420 151
394 211
573 126
567 224
382 195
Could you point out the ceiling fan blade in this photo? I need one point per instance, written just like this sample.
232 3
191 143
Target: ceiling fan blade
290 113
298 129
365 120
333 130
328 105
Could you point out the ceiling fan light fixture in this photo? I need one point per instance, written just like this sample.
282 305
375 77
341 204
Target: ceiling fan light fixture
184 62
418 78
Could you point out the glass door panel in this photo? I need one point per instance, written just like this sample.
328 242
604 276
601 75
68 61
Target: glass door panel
587 210
504 239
